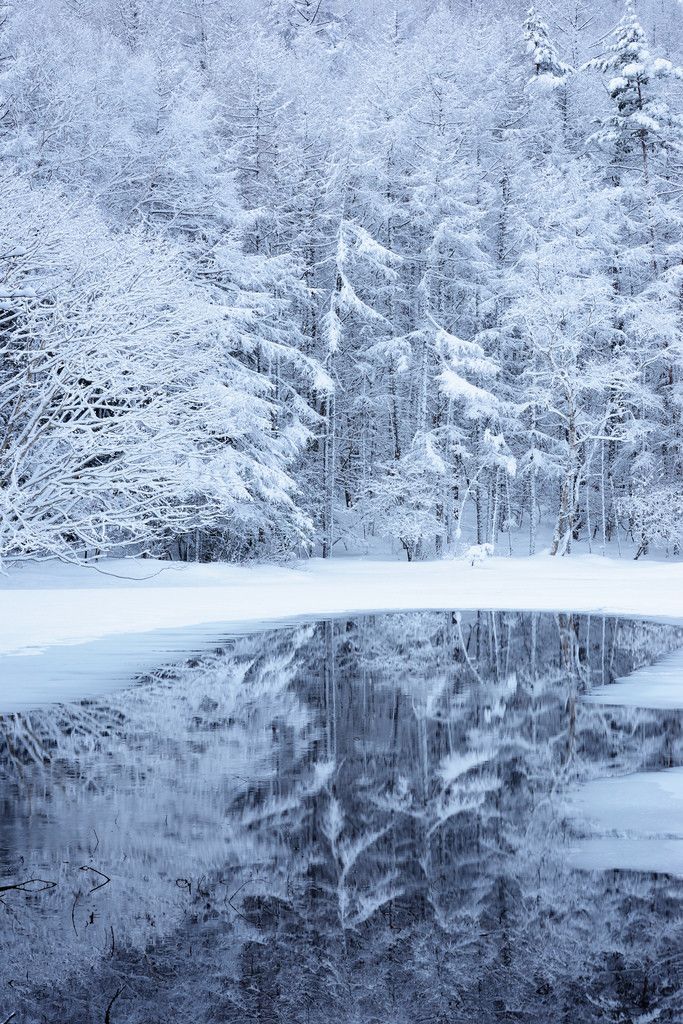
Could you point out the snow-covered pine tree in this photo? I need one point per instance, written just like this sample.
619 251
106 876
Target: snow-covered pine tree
640 139
642 121
549 69
125 419
364 271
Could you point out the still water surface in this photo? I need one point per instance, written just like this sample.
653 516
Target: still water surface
361 820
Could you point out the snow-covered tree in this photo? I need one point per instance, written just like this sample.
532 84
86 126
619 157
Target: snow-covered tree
642 121
364 200
549 70
127 414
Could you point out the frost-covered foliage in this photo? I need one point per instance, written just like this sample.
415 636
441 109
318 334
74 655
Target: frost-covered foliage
127 413
549 70
642 118
282 275
655 515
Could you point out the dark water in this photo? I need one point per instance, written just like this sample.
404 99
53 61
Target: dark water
354 821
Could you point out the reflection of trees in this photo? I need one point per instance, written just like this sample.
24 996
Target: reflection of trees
150 787
358 821
453 737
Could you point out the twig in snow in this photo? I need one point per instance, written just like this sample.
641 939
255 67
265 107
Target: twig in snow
107 879
107 1012
21 886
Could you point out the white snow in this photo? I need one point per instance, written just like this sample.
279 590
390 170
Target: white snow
664 856
653 686
641 805
638 820
643 812
44 606
55 603
66 672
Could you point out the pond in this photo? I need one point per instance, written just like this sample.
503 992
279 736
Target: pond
390 818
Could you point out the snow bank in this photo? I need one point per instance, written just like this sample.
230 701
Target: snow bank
640 805
658 686
664 856
641 818
56 604
119 608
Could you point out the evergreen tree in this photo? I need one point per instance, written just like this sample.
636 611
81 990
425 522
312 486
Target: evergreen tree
548 68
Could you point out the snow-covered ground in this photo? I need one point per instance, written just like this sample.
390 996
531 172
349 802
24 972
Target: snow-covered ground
653 686
636 821
44 604
119 608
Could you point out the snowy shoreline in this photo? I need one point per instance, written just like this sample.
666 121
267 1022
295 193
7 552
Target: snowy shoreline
48 604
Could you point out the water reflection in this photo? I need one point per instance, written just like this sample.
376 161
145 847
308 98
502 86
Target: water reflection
360 820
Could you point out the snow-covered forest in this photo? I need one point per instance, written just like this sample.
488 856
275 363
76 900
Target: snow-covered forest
292 276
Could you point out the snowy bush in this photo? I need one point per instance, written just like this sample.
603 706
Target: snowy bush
402 504
478 553
655 516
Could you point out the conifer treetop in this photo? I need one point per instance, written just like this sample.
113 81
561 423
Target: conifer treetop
643 116
548 68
